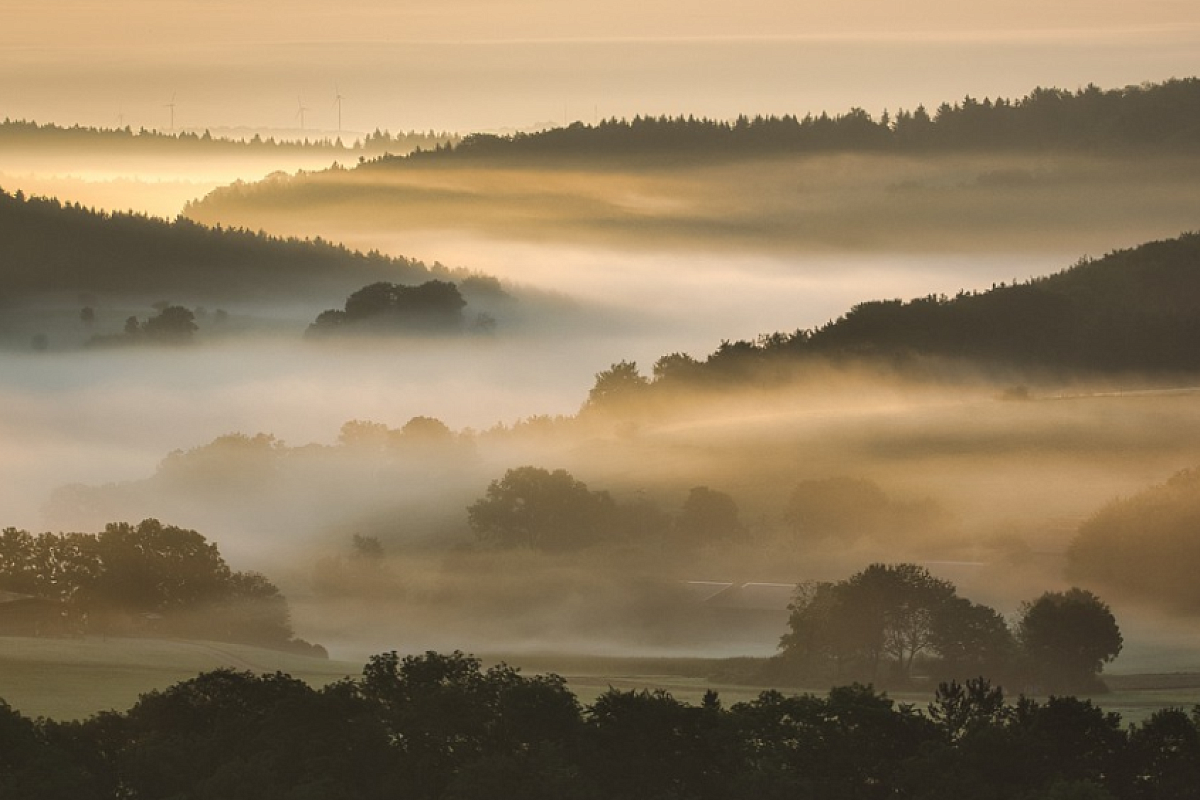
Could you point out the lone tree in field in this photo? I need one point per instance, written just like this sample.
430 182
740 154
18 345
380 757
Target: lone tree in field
1069 637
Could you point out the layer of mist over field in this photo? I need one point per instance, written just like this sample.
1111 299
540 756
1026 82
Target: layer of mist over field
984 486
151 182
845 203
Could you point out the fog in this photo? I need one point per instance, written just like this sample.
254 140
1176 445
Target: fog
994 489
148 181
961 204
985 481
998 486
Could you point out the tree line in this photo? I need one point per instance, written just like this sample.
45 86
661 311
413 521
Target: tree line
29 134
1156 116
145 578
436 726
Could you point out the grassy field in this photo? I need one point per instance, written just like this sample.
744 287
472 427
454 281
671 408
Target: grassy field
75 678
1134 696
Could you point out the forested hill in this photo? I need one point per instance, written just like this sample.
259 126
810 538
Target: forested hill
48 248
1133 310
1130 310
1164 117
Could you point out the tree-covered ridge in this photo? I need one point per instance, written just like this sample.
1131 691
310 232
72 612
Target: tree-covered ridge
436 726
28 134
1146 545
53 248
1135 310
1162 116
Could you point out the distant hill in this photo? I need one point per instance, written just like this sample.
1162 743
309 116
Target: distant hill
1136 309
53 250
1132 311
1145 546
26 135
1055 171
1163 116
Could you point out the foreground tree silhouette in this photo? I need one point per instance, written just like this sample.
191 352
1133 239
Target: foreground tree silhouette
1069 637
441 727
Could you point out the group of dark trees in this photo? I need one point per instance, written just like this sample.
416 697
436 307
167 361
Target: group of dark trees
171 325
146 578
441 726
25 134
553 511
1146 546
1162 116
432 307
889 620
1136 311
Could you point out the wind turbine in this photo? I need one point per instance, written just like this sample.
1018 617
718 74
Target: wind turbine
171 105
300 109
337 101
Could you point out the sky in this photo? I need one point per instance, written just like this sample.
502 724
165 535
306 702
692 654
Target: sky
473 65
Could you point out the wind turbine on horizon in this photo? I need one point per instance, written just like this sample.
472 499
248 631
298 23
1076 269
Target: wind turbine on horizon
171 105
300 109
337 101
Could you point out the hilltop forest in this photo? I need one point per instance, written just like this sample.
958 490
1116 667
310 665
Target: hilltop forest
1133 311
1162 116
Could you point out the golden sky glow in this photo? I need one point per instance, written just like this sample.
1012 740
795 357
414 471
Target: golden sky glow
471 64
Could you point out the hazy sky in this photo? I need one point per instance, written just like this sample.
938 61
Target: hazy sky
472 64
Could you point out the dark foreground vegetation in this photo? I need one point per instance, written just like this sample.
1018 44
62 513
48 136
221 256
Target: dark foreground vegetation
442 726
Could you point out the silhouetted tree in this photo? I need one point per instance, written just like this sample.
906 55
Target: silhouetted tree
173 324
617 387
1069 637
887 615
433 307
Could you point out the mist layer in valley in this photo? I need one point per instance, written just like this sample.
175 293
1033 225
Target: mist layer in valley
345 469
984 484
